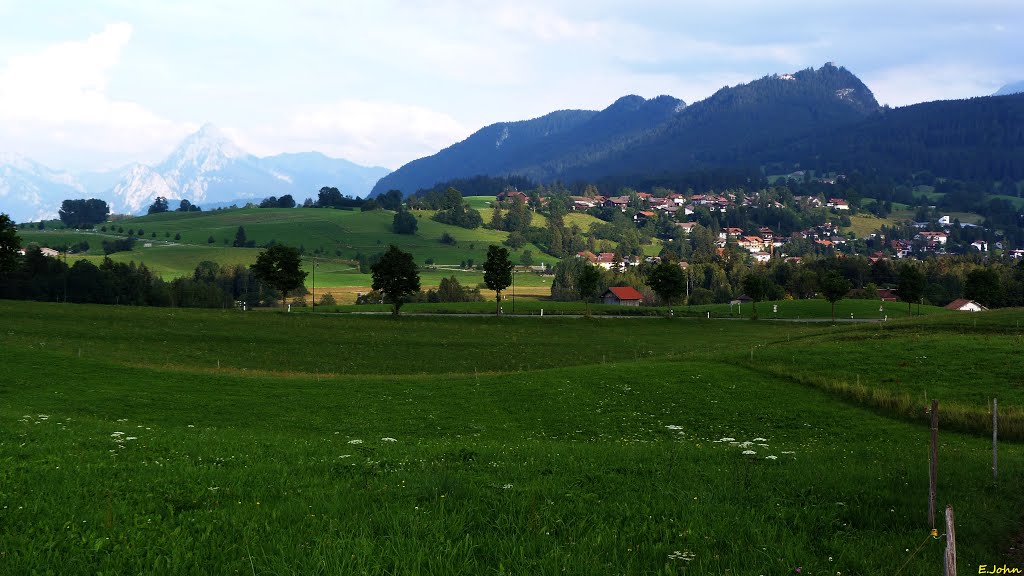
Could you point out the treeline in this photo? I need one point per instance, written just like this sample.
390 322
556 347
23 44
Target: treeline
448 290
721 278
478 186
38 277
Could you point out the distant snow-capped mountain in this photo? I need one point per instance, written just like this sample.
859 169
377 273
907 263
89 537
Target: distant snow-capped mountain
31 191
207 167
1008 89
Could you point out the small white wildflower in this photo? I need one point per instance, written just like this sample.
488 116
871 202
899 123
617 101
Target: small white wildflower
727 439
355 441
788 452
191 425
772 457
507 486
749 452
117 434
132 438
759 439
674 427
388 439
345 456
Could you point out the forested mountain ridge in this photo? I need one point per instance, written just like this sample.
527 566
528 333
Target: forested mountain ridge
541 148
635 135
736 124
979 139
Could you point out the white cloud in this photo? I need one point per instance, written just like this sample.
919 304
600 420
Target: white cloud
901 86
362 131
54 103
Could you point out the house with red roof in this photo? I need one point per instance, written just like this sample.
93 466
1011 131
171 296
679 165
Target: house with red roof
622 296
965 305
511 195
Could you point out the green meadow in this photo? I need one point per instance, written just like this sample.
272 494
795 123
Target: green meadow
530 305
178 441
336 237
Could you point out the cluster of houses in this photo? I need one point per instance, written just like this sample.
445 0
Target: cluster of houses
764 243
673 204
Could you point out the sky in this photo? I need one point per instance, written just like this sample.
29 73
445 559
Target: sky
98 84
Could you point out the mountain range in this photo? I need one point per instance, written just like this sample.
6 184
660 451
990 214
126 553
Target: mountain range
206 168
825 119
1013 88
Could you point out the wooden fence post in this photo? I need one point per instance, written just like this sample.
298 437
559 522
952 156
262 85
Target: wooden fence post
995 440
950 557
933 463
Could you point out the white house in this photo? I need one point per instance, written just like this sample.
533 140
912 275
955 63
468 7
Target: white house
964 305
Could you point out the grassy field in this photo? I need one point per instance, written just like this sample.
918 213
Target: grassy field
334 236
770 310
195 442
338 235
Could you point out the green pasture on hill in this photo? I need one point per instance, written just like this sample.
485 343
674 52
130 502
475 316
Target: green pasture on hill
337 233
335 237
144 440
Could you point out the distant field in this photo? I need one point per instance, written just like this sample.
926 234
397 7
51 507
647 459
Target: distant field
1015 200
338 235
192 441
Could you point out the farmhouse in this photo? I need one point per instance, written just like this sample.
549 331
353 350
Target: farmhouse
622 295
511 195
964 305
932 237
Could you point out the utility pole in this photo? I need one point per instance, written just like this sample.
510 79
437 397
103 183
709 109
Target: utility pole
513 289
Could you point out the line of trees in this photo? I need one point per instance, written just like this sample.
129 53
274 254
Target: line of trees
33 276
936 281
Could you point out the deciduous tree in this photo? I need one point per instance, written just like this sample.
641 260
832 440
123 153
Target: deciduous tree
668 281
588 282
912 285
159 205
756 286
396 276
9 245
280 266
833 287
497 272
404 222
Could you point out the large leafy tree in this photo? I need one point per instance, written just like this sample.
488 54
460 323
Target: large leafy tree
497 272
404 223
588 282
912 285
396 276
833 287
983 285
756 286
280 266
83 213
159 205
668 281
9 245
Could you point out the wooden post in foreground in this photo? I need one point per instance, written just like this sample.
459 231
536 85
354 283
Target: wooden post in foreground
950 558
933 463
995 440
